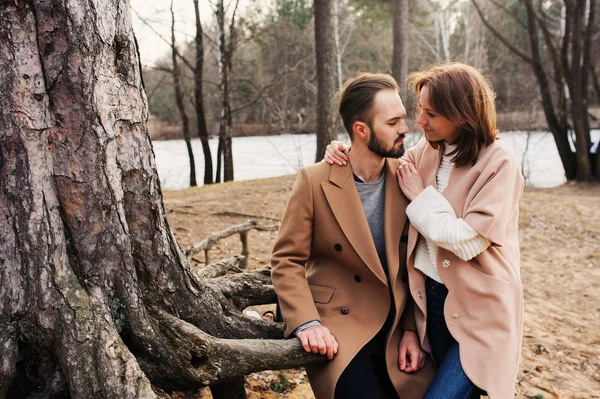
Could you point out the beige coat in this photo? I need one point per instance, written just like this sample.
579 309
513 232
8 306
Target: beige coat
484 307
326 267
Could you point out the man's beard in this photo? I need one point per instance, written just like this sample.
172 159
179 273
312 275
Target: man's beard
378 147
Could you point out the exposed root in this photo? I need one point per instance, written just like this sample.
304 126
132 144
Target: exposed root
213 360
247 289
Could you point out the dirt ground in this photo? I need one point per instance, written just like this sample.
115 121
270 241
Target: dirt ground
560 253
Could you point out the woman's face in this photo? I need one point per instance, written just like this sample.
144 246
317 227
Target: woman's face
435 126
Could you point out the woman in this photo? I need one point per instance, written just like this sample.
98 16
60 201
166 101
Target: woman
464 185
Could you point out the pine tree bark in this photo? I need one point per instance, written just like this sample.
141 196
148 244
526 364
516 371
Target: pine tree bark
326 73
96 298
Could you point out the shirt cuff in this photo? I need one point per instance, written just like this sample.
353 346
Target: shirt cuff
307 325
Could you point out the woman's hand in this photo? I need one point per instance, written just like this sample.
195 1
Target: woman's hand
334 154
409 180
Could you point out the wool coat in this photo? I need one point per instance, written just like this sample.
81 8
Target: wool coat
484 307
325 267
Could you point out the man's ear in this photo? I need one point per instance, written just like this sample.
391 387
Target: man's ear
361 129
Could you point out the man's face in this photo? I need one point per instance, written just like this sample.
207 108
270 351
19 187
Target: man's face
388 126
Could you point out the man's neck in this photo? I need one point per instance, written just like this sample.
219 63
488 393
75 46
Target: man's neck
365 164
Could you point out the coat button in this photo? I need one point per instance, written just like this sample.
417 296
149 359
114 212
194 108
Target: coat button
357 278
446 263
338 247
420 295
455 317
344 310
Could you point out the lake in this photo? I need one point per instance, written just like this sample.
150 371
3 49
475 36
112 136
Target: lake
259 157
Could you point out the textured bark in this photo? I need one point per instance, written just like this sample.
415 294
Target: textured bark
199 98
96 298
326 72
185 121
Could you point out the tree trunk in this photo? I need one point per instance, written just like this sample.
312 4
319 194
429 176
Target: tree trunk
326 73
96 298
179 100
225 63
559 130
199 99
400 44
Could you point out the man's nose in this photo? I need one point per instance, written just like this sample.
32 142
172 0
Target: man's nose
403 129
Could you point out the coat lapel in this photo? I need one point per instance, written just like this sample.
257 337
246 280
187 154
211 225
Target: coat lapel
343 199
395 218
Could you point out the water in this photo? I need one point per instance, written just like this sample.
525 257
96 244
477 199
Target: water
269 156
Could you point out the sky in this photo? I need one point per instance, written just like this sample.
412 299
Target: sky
157 13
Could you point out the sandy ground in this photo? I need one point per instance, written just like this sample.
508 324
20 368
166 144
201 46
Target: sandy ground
560 244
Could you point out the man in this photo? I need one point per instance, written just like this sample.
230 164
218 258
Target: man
339 262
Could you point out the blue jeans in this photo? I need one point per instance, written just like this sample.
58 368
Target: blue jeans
450 381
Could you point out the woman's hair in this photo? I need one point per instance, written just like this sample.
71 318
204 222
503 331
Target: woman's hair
464 96
357 96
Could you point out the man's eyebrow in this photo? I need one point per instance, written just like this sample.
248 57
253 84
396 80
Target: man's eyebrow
397 117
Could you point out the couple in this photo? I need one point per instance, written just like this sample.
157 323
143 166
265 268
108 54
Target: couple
390 265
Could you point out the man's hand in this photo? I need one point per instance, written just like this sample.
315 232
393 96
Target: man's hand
318 339
411 357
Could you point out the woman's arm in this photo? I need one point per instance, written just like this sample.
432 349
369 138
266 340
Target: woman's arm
433 216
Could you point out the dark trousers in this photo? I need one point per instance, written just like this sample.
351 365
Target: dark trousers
450 381
366 376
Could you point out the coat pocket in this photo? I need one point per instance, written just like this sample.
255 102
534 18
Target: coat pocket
321 293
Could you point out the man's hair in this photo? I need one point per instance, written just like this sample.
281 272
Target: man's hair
357 96
464 96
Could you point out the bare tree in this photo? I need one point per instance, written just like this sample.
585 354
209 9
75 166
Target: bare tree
226 45
400 31
96 298
561 73
326 73
185 122
199 98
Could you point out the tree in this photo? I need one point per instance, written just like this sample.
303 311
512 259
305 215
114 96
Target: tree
565 29
185 122
400 42
225 49
199 98
326 73
97 299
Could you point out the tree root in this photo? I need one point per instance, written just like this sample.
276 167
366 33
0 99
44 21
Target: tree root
247 289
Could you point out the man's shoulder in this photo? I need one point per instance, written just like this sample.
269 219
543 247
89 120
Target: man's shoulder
319 171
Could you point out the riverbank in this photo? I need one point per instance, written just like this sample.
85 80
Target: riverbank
526 121
560 253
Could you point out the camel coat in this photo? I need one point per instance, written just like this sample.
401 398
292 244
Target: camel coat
484 307
326 268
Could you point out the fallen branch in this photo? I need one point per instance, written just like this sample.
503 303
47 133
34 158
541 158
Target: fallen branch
221 268
248 215
241 229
